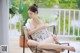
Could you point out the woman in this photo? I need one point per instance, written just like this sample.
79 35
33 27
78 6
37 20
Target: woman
42 38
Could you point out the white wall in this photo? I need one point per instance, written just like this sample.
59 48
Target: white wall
0 23
4 12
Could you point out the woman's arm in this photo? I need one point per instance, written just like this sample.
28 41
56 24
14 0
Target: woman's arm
32 31
37 28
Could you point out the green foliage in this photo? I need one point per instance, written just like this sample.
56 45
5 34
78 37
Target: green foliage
25 17
62 3
75 31
47 20
13 6
69 4
78 38
47 3
15 3
24 13
18 26
21 7
14 10
62 23
78 2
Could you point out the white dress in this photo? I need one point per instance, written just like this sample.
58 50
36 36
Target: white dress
39 35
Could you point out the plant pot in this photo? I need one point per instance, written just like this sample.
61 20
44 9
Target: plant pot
21 42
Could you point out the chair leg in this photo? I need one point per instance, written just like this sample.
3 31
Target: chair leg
36 49
68 51
68 45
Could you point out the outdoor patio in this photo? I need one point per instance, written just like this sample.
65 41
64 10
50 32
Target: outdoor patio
7 22
65 20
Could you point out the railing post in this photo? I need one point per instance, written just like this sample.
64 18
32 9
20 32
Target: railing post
59 21
73 25
78 23
64 22
69 23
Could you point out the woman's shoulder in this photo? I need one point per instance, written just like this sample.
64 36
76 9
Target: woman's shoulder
29 20
28 23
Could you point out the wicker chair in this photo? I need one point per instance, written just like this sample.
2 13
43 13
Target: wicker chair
34 49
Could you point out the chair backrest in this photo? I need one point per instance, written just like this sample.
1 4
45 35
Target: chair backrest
25 33
27 37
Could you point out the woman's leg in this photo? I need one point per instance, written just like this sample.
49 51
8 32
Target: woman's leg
55 46
32 43
50 40
55 38
35 43
48 44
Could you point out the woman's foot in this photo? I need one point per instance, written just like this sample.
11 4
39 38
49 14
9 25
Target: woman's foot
71 48
59 50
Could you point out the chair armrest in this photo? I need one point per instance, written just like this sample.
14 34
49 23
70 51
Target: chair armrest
65 43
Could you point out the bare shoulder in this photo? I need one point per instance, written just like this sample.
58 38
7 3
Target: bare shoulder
29 20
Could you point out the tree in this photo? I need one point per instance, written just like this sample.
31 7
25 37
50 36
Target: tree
50 3
78 3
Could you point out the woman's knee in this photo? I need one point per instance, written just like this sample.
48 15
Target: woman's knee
29 42
32 43
55 37
41 45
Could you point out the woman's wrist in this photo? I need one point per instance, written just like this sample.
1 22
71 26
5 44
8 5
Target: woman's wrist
38 28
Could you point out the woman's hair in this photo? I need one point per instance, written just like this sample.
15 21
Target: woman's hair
33 8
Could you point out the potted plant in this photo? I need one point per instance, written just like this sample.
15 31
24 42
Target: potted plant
23 12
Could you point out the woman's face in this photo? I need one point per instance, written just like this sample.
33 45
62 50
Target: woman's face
32 14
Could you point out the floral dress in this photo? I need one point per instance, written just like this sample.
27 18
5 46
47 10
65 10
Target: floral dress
39 35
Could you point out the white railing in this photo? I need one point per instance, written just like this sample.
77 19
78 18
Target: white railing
74 15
